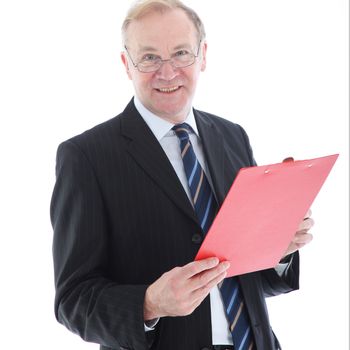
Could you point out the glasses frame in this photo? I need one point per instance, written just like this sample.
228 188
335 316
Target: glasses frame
161 61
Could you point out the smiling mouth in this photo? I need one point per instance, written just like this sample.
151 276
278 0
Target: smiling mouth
169 90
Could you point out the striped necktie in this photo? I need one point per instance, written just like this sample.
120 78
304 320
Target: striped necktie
205 207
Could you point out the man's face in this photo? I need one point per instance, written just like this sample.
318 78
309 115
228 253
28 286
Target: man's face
167 92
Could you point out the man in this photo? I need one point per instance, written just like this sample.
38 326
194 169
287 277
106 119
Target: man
128 224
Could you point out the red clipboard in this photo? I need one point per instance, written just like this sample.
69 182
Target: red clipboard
262 212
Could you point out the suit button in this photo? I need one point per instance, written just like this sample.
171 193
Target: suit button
197 238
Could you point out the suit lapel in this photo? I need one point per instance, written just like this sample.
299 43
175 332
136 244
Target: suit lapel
213 148
147 152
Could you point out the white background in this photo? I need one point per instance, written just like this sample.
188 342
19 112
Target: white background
277 67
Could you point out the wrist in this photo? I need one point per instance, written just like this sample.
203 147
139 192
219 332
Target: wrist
150 307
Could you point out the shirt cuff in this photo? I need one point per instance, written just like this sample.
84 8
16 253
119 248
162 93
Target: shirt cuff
150 325
281 269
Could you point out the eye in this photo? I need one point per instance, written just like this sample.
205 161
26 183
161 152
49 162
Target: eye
149 58
181 53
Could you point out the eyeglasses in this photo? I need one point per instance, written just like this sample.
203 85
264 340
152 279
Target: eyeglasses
151 63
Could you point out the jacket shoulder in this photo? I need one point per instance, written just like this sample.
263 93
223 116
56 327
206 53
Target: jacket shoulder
228 129
107 133
100 133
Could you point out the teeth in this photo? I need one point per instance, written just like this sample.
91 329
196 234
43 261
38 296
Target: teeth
169 89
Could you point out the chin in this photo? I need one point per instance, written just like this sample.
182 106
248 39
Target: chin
175 115
174 109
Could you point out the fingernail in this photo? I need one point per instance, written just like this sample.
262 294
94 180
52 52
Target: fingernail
226 265
214 261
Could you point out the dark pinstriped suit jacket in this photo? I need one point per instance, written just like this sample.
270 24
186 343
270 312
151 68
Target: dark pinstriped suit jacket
121 219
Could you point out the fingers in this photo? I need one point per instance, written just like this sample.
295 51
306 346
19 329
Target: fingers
196 267
179 291
306 224
308 214
209 277
302 238
206 281
204 290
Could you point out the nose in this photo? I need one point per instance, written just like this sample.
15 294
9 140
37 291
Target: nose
167 71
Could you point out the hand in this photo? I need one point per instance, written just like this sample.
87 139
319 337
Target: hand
302 236
181 290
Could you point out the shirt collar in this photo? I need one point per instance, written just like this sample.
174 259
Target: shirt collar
158 125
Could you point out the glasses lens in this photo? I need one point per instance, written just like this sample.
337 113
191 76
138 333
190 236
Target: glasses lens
177 62
183 60
147 67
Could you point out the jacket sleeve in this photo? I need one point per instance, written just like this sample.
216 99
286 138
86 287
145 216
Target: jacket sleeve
275 283
87 301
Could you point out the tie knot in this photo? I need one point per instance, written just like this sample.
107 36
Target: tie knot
182 130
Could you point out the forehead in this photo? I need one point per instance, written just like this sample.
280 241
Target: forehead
162 30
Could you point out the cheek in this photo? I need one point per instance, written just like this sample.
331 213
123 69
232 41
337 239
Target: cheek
142 84
191 79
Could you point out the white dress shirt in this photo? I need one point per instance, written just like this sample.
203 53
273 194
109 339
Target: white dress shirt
170 143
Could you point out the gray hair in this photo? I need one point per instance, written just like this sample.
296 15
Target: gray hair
143 7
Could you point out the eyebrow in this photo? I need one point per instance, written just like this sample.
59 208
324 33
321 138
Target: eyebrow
144 49
147 49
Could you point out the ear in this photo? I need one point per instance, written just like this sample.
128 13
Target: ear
204 56
126 64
